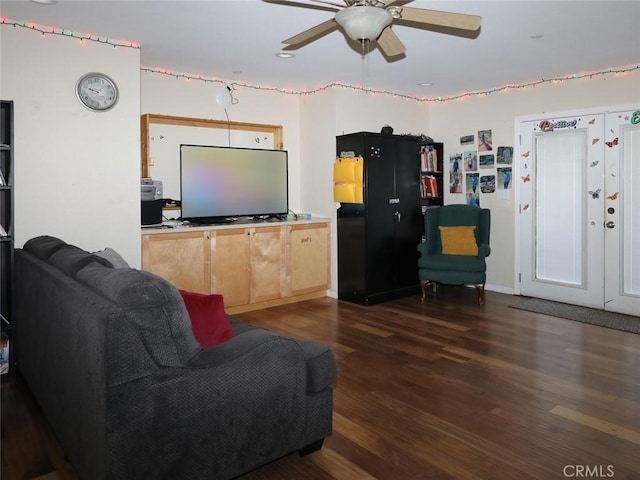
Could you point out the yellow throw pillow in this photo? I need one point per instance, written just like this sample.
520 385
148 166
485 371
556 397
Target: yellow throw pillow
458 240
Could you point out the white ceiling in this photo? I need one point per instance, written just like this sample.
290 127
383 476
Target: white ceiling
237 41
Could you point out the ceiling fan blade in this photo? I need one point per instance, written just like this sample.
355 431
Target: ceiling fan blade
329 3
317 31
390 44
288 3
444 19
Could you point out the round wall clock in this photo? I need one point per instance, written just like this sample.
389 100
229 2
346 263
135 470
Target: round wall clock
97 92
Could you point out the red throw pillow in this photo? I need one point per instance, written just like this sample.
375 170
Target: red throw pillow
208 319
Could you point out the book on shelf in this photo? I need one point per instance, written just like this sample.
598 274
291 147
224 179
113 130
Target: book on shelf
429 186
3 232
428 158
4 353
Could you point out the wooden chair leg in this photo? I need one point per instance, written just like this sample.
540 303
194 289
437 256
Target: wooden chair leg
480 289
423 284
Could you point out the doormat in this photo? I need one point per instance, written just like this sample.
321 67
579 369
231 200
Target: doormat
617 321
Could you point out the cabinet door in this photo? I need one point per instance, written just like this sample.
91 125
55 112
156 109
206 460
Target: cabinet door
382 208
309 258
181 258
408 222
268 263
230 272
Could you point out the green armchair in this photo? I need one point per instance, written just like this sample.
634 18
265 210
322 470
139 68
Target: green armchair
455 247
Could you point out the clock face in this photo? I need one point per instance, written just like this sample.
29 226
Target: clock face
97 92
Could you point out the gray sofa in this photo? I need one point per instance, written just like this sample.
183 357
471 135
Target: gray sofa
110 356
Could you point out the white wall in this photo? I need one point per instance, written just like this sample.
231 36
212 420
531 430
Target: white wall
168 95
76 171
453 119
335 112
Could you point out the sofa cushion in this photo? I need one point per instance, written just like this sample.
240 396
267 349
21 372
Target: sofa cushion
112 257
44 246
152 310
71 259
208 319
454 263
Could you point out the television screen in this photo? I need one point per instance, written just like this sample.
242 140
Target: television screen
225 182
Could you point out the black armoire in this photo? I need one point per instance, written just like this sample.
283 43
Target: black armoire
378 239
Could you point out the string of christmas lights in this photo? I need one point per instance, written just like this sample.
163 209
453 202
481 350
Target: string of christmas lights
44 31
461 96
476 93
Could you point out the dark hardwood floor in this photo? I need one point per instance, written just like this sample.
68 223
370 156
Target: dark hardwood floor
439 390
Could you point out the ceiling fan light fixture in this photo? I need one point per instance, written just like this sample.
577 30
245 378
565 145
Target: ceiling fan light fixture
363 22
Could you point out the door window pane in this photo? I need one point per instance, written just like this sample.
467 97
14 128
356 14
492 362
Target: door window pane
630 261
560 206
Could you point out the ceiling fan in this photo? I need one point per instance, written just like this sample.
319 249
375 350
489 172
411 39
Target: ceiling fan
370 20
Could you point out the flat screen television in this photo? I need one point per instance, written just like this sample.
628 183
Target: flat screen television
227 183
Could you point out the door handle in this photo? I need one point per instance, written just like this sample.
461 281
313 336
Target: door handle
610 224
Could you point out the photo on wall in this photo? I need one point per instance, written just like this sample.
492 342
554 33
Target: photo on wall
467 139
472 183
455 173
505 155
504 177
488 183
473 199
485 141
487 161
470 161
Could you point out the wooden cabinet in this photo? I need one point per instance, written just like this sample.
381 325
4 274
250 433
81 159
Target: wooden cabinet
254 266
309 258
183 257
231 269
248 264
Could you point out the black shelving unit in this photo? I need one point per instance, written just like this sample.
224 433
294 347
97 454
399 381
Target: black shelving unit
6 230
431 175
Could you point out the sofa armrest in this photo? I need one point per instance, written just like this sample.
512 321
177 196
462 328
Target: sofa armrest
232 408
322 369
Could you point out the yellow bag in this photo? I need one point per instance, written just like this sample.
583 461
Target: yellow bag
348 183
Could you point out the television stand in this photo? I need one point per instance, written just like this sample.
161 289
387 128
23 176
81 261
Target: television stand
253 265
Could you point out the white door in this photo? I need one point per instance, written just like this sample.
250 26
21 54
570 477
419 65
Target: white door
622 214
561 222
580 210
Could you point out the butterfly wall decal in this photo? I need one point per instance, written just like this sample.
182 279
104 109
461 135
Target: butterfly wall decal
526 154
595 194
594 141
591 122
594 163
613 196
526 178
612 143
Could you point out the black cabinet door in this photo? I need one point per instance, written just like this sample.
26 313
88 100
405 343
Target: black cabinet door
381 198
408 220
